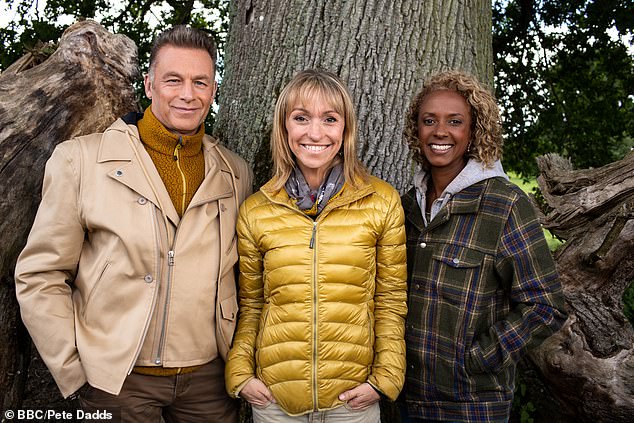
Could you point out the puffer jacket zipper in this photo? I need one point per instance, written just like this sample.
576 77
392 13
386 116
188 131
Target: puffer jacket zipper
313 246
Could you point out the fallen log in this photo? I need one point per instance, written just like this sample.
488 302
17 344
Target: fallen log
589 364
83 86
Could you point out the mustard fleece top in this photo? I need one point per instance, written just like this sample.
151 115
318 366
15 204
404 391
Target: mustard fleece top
178 158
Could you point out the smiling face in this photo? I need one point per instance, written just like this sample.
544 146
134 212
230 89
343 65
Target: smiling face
181 87
315 134
444 130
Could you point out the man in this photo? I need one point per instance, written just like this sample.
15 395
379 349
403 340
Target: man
126 283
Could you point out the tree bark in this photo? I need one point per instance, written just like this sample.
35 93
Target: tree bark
589 364
383 50
81 88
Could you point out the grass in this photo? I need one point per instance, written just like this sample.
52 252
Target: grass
530 187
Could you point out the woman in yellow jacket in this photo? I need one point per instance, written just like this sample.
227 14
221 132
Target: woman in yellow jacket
322 270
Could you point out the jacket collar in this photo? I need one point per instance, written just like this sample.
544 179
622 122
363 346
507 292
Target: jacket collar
412 210
466 201
218 181
472 173
114 144
348 195
117 145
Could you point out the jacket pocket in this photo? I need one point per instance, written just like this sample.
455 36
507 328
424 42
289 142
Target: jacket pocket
457 278
230 256
95 288
258 341
262 327
229 308
458 271
371 339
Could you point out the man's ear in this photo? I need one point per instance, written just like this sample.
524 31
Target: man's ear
147 83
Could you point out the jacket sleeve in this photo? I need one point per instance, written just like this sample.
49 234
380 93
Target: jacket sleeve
46 268
240 365
527 270
390 303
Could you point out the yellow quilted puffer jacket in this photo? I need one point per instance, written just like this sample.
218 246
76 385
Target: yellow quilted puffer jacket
322 303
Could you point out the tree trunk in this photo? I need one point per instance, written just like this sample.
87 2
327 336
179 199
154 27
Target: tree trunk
383 50
81 88
589 364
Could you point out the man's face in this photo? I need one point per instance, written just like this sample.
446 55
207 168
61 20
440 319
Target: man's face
182 88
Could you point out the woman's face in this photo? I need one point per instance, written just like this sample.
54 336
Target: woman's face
315 134
444 130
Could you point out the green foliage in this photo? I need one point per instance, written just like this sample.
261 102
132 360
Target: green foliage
522 406
140 21
565 80
628 303
529 186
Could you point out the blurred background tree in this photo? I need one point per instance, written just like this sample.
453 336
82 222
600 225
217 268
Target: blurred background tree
30 24
564 76
564 70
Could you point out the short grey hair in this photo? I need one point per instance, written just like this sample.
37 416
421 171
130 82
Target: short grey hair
185 37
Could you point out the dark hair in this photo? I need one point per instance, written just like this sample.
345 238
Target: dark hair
186 37
486 131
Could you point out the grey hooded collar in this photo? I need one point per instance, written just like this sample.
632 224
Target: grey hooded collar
472 173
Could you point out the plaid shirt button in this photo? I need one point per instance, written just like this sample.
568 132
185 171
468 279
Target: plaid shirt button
422 245
455 261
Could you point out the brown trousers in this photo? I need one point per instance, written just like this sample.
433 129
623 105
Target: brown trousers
197 397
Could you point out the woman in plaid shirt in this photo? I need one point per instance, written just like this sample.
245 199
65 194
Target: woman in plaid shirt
483 287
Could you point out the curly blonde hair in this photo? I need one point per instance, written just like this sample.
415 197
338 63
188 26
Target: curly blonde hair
302 89
486 130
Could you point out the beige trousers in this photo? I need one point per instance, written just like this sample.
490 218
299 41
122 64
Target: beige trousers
272 413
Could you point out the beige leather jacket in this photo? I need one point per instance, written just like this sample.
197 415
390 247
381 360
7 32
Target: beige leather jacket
105 237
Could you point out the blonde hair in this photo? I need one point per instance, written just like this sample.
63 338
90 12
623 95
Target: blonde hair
486 130
304 86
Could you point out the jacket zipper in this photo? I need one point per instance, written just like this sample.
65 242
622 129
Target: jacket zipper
311 245
171 259
315 329
177 156
168 288
158 359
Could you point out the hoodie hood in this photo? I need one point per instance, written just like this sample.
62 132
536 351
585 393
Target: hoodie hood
474 172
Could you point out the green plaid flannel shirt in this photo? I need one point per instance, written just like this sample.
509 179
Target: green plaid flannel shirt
483 288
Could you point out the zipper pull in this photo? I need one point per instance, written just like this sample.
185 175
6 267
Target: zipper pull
178 147
170 258
312 238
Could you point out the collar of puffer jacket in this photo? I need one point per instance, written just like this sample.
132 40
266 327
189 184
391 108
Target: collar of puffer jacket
348 195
